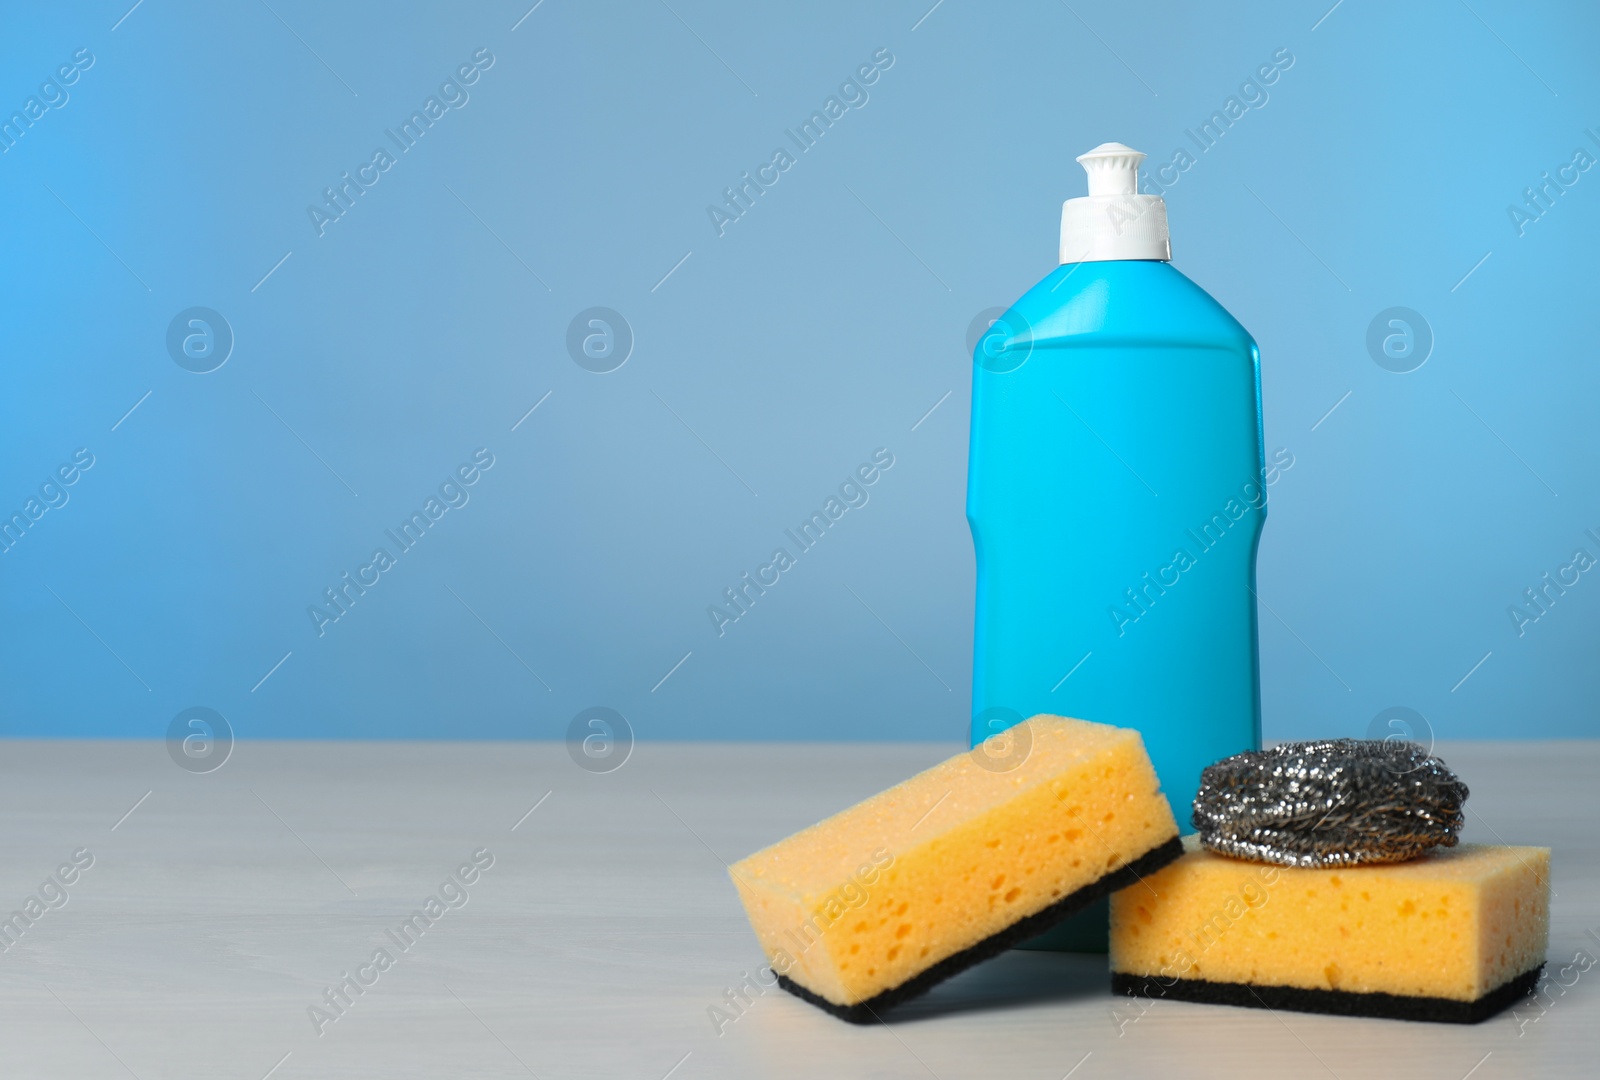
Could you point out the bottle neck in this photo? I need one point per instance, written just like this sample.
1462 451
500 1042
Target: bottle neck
1105 228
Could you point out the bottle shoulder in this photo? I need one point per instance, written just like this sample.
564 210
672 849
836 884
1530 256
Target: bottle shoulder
1124 302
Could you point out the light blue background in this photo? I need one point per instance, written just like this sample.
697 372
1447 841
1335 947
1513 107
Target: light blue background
822 326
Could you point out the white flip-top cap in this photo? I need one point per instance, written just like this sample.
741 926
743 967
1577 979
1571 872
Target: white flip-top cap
1114 221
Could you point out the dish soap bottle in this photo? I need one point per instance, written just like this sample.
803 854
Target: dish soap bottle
1116 497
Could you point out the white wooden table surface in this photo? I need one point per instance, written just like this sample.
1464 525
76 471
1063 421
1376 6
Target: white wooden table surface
219 911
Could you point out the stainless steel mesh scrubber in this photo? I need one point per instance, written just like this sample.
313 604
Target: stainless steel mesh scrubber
1338 802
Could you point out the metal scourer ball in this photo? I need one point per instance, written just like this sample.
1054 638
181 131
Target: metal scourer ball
1331 803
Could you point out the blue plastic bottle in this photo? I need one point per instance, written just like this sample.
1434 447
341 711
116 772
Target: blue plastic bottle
1116 495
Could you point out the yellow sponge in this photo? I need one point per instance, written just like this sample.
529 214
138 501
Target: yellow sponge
878 903
1455 935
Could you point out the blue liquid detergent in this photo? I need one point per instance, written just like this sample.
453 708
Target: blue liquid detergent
1116 496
